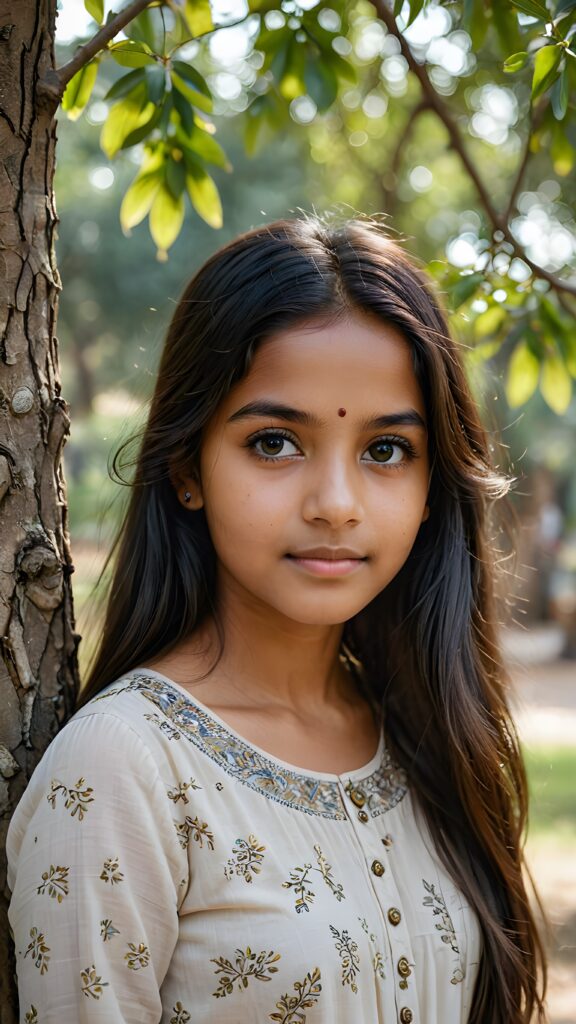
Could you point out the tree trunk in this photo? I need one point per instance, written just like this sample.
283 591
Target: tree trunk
38 669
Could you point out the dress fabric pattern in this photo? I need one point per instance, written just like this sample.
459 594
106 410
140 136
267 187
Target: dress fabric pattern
163 869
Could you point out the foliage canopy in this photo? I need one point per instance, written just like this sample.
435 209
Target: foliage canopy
483 89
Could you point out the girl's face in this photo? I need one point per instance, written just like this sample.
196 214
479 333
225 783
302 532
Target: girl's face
314 471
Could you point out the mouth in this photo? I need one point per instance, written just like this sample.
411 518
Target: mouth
328 562
328 554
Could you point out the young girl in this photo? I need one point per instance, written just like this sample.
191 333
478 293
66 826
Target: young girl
292 792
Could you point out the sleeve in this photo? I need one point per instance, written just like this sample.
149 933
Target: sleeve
95 869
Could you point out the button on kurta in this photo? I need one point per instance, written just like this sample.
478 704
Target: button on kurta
404 969
362 816
406 1015
394 916
357 797
377 868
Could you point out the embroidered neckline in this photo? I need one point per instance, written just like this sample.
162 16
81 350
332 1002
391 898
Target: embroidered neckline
183 717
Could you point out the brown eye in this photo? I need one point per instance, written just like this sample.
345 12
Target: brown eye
272 445
385 451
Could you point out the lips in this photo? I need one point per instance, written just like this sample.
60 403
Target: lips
327 562
329 554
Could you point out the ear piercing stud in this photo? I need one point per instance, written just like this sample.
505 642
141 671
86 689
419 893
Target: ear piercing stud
187 496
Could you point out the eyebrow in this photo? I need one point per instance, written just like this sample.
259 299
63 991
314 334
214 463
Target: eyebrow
272 410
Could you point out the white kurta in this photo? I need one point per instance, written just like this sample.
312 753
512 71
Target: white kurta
164 869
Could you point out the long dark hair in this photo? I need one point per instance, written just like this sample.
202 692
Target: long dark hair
427 644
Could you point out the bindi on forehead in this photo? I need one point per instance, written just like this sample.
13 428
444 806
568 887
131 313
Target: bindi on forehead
341 412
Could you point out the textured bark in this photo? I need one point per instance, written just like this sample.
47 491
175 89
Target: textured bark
38 670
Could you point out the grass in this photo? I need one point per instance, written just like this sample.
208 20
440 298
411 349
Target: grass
552 781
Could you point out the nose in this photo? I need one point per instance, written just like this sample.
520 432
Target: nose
333 494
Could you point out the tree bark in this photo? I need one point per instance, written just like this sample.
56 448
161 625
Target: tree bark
38 668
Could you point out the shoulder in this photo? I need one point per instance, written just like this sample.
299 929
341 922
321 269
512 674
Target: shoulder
121 739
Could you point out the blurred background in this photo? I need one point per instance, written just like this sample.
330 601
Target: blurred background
380 150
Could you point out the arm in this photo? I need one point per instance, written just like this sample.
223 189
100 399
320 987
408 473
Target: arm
95 868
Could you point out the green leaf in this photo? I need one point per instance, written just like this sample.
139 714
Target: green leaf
198 16
95 9
561 150
131 113
489 322
166 218
475 23
559 95
535 8
131 55
125 84
184 110
505 22
144 30
515 62
205 196
321 82
176 173
156 79
255 124
398 5
192 77
79 90
192 85
139 198
465 288
200 144
523 373
415 8
555 384
344 70
292 83
545 69
143 131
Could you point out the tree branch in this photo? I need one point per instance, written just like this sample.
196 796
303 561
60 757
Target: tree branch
99 41
436 103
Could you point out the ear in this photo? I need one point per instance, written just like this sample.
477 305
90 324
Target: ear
426 513
189 491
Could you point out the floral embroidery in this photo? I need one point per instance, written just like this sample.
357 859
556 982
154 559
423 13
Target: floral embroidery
307 995
325 870
55 883
76 797
171 732
439 909
237 758
247 965
39 950
384 788
298 882
377 958
247 861
195 828
110 872
137 956
107 930
92 983
181 1016
180 792
32 1015
348 951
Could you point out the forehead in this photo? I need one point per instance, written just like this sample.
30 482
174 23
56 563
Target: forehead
355 361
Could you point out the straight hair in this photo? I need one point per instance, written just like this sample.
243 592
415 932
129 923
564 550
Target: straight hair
427 645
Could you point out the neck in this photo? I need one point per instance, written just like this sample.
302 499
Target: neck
267 660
